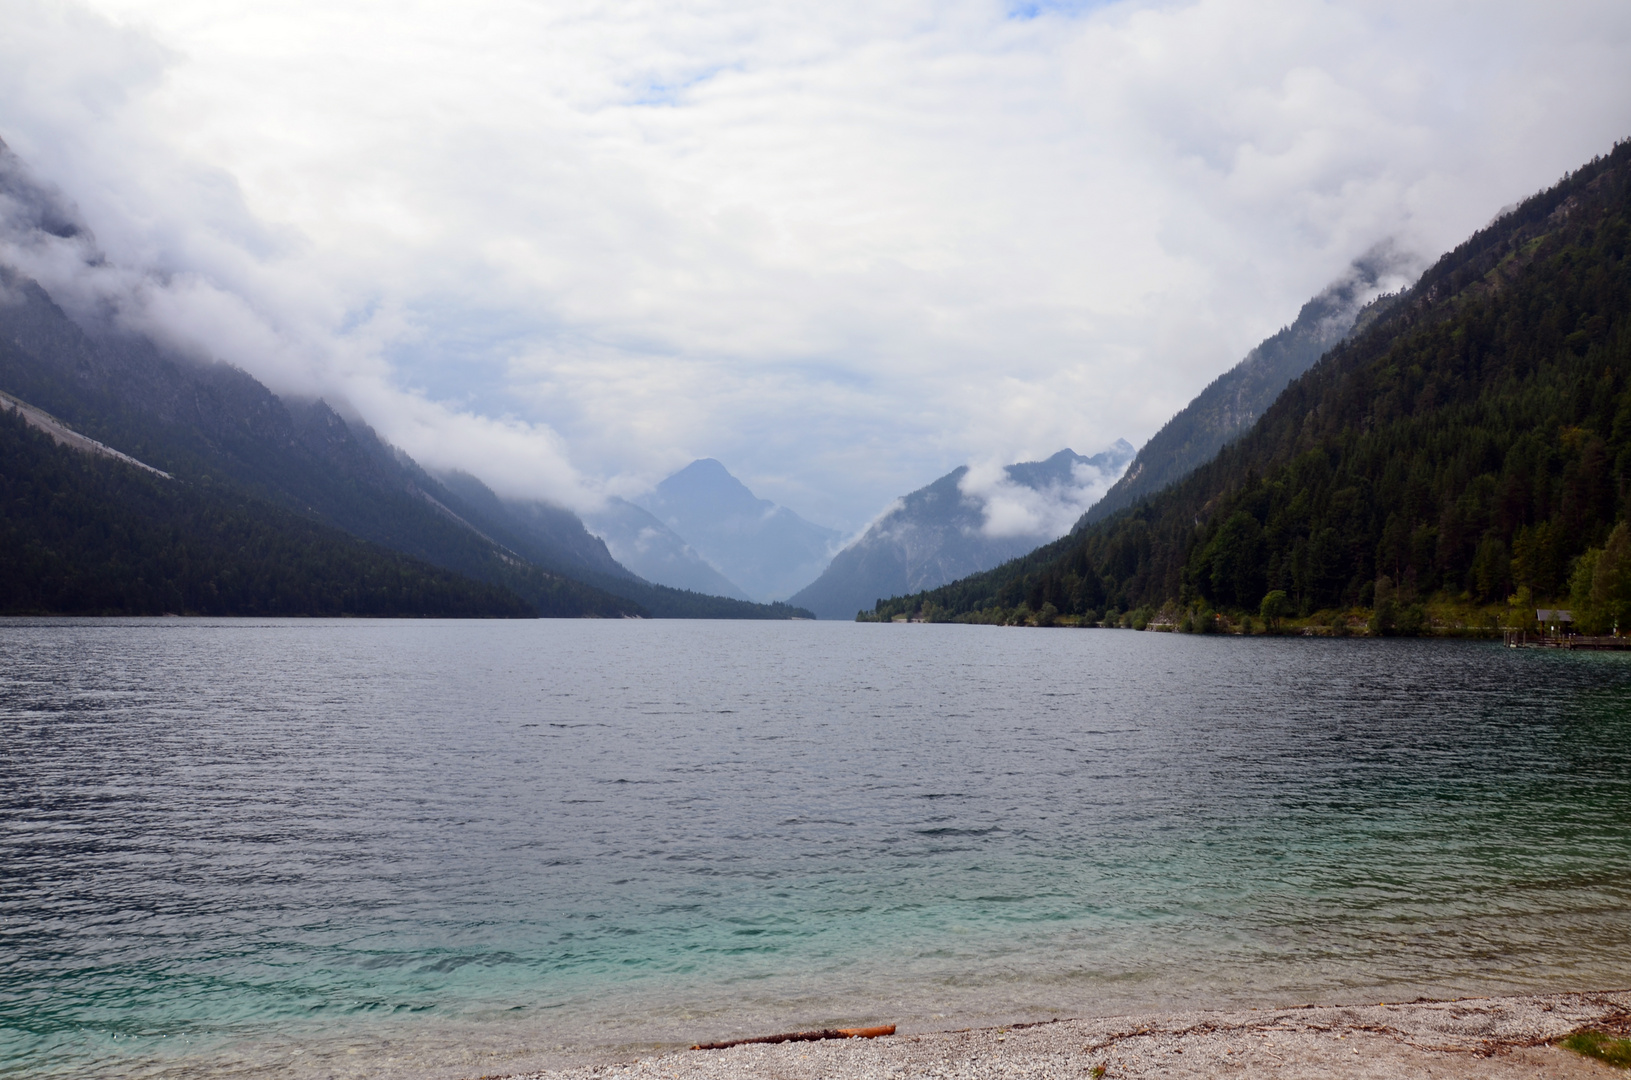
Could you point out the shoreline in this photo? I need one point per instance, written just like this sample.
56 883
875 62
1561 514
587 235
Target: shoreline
1494 1037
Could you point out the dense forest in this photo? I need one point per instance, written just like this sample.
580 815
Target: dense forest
89 535
1474 444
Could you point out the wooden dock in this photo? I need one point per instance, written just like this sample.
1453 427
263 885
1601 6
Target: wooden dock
1525 639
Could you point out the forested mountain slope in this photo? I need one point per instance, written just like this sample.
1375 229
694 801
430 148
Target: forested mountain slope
89 535
1475 440
216 429
1234 400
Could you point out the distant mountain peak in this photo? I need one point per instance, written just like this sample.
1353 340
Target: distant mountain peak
705 466
1068 469
642 542
966 521
766 549
705 482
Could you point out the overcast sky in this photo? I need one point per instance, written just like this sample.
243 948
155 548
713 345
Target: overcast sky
841 247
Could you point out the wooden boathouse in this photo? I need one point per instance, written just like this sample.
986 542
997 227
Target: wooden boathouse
1557 632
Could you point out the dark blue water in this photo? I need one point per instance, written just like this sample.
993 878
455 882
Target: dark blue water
442 848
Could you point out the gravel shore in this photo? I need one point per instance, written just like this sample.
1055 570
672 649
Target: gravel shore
1477 1037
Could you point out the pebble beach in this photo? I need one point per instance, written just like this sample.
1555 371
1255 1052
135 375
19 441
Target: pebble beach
1470 1038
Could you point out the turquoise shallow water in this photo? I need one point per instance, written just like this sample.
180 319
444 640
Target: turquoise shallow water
315 848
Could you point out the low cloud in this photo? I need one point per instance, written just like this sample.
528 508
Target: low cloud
1048 512
43 235
843 247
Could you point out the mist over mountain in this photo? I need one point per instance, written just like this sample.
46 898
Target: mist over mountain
961 524
1234 400
268 507
547 534
641 542
766 549
1471 445
262 503
556 537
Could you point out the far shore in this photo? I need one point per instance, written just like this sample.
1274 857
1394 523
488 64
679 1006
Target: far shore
1468 1038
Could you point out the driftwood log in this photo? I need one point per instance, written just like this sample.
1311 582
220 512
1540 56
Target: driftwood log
804 1036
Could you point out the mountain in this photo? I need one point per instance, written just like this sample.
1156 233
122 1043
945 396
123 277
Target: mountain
89 531
554 536
287 466
766 549
549 535
1234 400
1475 440
943 532
219 433
639 541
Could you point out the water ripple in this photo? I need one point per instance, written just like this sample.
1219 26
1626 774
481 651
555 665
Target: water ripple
305 847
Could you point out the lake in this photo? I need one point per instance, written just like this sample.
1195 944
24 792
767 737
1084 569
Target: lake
329 848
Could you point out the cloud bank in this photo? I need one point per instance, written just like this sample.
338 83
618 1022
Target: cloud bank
570 247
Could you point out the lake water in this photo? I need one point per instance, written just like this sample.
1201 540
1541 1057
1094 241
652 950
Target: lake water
324 848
